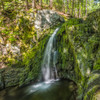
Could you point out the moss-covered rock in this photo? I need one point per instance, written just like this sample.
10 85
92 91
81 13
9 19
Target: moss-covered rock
79 53
46 19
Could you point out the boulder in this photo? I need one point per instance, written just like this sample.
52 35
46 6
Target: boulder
14 49
11 76
46 19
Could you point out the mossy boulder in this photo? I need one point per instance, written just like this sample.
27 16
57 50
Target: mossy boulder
46 19
11 76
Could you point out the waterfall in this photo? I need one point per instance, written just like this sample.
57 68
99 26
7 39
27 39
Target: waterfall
49 70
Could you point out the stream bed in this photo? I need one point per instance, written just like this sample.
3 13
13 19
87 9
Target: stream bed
50 90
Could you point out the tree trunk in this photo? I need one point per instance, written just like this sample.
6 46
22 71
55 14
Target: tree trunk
27 4
72 7
47 1
15 1
68 6
86 8
76 8
79 9
64 6
33 4
82 8
2 3
41 3
51 1
37 2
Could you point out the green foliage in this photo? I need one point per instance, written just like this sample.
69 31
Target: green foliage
58 4
9 11
97 65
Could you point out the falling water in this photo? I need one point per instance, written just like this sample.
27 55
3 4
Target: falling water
49 70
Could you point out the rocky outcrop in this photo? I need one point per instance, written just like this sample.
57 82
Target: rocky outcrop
10 77
5 49
46 19
8 50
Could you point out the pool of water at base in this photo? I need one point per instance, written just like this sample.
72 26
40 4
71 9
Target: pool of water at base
50 90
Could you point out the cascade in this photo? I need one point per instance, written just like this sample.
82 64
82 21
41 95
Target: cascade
49 70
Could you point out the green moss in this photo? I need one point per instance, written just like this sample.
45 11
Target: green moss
97 65
90 94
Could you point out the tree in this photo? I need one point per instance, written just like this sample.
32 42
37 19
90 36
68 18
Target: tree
37 2
79 8
41 3
86 9
27 5
72 7
82 7
67 6
2 3
51 3
33 4
64 6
